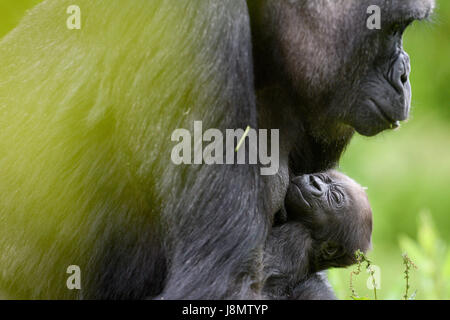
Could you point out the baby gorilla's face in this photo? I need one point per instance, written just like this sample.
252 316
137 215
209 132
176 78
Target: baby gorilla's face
336 210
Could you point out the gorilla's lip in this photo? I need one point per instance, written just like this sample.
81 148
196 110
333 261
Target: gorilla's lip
392 124
300 194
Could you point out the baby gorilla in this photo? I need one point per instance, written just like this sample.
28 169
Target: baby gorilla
328 219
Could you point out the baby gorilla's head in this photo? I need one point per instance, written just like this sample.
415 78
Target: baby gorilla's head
336 211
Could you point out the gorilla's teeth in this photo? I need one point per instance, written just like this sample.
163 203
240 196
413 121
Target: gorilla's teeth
395 125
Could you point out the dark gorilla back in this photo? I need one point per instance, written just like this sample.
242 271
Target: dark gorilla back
87 178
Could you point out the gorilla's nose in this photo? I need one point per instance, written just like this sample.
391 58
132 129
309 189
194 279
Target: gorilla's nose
400 73
404 77
399 78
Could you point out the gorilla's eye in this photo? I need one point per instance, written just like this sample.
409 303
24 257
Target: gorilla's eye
336 197
331 251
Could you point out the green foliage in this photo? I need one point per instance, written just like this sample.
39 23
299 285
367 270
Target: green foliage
432 256
409 264
11 12
361 258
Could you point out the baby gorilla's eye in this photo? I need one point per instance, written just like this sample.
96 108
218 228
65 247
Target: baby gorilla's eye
331 251
336 197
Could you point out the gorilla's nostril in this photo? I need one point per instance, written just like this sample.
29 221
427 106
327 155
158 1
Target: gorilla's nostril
314 182
404 72
404 78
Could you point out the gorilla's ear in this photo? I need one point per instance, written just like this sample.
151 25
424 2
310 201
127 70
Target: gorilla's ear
330 250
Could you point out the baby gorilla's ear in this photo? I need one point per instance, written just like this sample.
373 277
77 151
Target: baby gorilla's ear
331 250
331 254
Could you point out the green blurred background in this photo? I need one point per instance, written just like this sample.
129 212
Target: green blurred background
407 172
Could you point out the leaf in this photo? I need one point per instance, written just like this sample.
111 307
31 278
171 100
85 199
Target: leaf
446 267
414 252
427 235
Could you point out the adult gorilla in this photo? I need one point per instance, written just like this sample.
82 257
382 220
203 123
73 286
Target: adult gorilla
86 118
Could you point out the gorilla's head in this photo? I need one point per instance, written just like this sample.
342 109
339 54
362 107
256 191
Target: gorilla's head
342 73
336 211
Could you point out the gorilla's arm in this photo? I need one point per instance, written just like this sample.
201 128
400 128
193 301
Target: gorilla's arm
286 259
315 287
287 264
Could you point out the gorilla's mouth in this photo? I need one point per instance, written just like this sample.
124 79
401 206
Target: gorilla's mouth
391 123
300 197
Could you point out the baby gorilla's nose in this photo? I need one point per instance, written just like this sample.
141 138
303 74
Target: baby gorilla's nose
316 184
